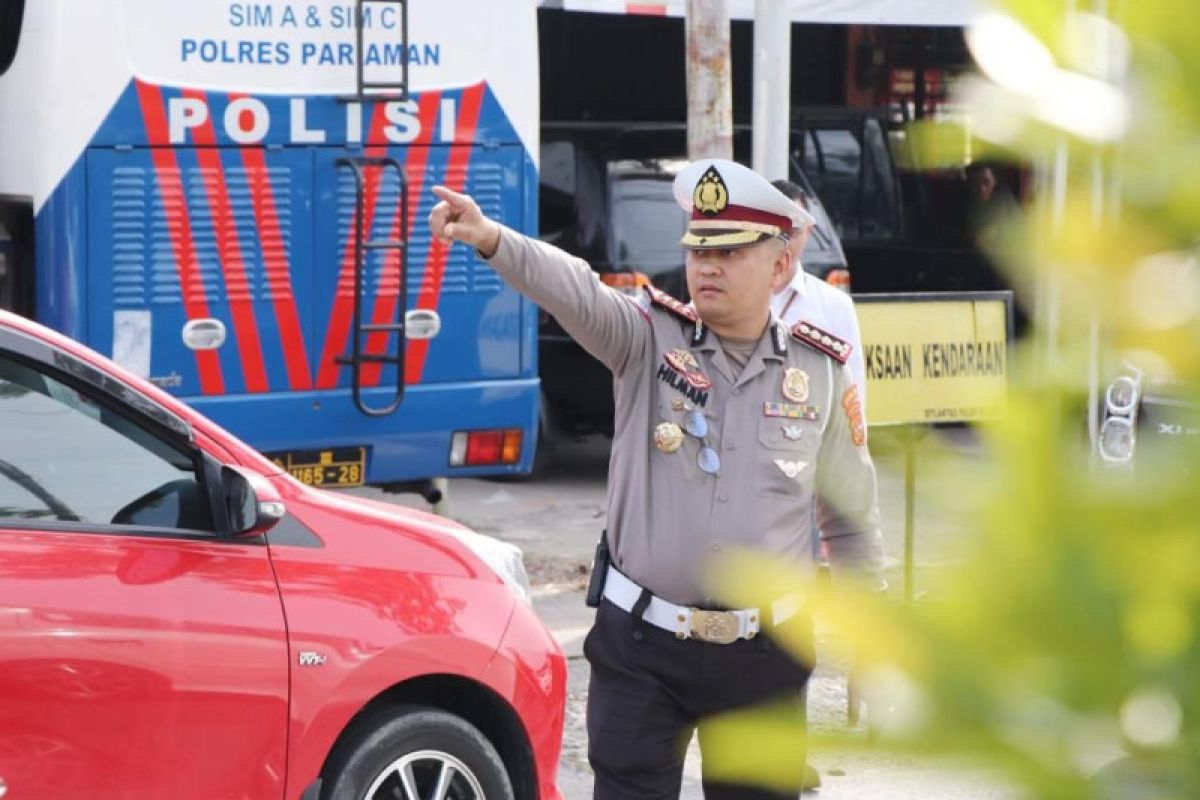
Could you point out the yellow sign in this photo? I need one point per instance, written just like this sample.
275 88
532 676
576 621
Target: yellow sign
934 357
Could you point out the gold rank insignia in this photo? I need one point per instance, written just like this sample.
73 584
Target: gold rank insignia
668 437
795 384
711 195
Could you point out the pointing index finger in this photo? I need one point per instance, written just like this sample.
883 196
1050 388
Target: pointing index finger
456 200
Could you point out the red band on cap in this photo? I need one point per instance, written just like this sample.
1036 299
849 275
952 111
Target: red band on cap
733 213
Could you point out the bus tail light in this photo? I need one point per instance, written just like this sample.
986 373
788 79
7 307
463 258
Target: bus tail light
485 448
839 279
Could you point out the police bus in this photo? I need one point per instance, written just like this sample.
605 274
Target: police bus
228 198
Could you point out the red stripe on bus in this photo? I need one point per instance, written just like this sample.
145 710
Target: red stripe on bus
229 251
277 269
646 8
435 266
338 330
388 295
174 200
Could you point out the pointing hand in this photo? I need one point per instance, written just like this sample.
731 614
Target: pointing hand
456 217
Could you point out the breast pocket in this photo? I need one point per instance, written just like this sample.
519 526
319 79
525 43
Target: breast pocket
787 456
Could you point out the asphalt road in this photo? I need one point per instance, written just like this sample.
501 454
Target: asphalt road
556 519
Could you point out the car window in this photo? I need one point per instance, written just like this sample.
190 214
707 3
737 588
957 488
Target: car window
855 184
647 225
67 458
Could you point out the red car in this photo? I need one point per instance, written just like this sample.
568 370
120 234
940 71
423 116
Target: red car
178 618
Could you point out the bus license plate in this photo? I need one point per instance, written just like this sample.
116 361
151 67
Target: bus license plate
338 466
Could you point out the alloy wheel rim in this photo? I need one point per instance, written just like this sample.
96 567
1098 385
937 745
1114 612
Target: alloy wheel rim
425 775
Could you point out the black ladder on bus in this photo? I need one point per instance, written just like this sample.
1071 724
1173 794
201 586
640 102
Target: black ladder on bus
382 90
362 247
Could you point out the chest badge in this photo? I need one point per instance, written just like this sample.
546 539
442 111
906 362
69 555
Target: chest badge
686 365
668 437
681 360
792 432
790 468
795 384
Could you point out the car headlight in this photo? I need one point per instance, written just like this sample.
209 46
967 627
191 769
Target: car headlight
503 558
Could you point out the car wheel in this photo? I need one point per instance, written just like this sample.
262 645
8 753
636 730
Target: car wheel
415 753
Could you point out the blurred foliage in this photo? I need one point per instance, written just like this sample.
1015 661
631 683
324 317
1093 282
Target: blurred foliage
1069 635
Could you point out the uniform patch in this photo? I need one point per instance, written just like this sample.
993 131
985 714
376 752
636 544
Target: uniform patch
687 367
795 384
858 429
790 411
822 341
694 386
790 468
664 300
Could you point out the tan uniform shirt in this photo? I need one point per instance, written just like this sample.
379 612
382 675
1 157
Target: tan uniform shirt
666 517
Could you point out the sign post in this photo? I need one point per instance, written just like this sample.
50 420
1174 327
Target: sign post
932 358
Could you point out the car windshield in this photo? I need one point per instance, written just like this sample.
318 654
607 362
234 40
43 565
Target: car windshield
647 225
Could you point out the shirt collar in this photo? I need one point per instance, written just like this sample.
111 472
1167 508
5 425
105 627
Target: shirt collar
799 283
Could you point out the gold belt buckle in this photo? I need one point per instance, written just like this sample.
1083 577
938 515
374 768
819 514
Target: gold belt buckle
716 627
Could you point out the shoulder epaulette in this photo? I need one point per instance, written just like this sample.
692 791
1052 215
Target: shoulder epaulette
822 341
676 307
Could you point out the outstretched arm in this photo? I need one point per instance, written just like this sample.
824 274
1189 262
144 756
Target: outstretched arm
608 324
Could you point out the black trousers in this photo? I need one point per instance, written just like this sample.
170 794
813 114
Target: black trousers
650 691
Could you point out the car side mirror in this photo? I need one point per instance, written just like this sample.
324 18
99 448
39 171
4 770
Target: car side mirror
252 503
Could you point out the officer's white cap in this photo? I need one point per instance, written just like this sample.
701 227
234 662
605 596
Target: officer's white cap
733 206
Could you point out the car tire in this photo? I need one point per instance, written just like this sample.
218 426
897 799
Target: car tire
420 743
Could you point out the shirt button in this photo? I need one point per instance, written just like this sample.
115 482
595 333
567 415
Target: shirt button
737 391
715 546
723 497
730 446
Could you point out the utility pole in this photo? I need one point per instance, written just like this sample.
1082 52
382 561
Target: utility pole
709 80
772 88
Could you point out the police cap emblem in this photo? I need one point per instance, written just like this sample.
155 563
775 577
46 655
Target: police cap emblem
711 195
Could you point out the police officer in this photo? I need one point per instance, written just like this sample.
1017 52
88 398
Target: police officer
731 431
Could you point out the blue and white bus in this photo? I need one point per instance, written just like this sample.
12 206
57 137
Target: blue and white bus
229 199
